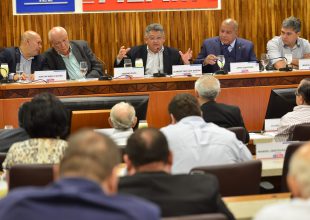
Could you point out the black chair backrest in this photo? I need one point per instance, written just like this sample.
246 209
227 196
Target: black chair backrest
290 150
235 179
300 132
2 158
240 133
30 175
211 216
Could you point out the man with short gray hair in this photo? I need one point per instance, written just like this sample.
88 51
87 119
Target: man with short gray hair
156 58
207 88
288 43
122 120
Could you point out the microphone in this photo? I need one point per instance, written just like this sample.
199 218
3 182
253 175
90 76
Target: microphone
286 68
105 76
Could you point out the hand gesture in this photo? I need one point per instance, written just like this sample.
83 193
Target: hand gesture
210 59
186 57
122 53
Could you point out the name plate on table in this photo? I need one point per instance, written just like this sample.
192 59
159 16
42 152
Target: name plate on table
187 70
271 150
272 124
244 67
51 75
135 72
304 64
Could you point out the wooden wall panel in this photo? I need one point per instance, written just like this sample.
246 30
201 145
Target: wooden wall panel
259 21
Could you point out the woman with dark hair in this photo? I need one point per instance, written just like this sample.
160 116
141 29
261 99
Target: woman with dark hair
46 121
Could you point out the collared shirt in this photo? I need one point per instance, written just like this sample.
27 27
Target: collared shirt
119 136
72 65
194 142
293 209
276 48
154 62
231 46
25 63
299 115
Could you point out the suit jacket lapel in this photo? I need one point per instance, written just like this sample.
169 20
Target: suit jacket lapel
238 47
144 55
166 60
217 47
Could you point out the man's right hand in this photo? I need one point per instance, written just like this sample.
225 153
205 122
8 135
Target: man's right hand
122 53
210 59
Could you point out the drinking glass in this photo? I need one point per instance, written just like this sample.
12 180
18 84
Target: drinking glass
289 58
4 71
264 59
83 68
19 70
221 61
127 63
139 62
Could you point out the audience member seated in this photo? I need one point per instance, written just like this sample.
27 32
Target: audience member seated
27 54
46 121
67 55
86 188
288 43
122 119
300 113
207 88
228 43
298 180
195 142
156 57
10 136
149 163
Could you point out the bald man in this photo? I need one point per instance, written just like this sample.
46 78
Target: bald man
67 55
228 43
298 180
27 54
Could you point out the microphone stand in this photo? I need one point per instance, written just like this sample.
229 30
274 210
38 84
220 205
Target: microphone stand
105 76
287 68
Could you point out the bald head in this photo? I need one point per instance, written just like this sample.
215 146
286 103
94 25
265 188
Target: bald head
123 116
207 87
228 31
58 38
30 44
231 22
299 172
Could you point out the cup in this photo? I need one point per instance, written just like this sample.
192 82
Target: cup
127 63
221 61
139 62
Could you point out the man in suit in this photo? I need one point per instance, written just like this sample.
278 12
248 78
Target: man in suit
149 163
27 54
207 88
67 55
86 188
156 58
228 43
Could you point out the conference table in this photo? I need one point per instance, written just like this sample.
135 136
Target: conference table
249 91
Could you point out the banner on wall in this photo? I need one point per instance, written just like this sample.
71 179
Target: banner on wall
21 7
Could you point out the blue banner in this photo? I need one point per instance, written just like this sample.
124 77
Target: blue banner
51 6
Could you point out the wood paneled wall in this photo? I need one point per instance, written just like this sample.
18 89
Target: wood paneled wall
259 21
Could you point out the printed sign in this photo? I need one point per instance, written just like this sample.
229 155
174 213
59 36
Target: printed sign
187 70
37 6
51 75
304 64
135 72
244 67
271 150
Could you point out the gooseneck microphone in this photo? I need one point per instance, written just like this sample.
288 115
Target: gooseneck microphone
105 76
286 68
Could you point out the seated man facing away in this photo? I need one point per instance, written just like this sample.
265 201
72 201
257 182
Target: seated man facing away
298 180
228 43
195 142
27 54
122 119
300 113
86 188
207 88
67 55
149 163
288 43
156 57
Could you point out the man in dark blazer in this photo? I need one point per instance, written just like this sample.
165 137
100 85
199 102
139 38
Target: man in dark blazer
149 163
86 188
156 58
207 88
233 48
28 54
67 55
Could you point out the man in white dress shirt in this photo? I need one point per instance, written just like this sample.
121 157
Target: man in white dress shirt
298 180
195 142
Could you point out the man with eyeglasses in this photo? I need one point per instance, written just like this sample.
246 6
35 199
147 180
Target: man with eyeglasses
156 58
288 43
67 55
300 113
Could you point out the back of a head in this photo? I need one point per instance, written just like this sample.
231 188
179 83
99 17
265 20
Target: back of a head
208 87
91 155
299 169
184 105
123 116
304 90
46 117
292 23
22 111
147 145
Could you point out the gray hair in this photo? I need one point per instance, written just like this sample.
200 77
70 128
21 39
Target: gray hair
208 87
154 27
55 30
122 115
230 21
293 23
